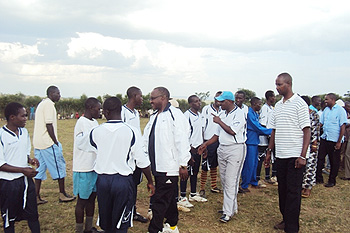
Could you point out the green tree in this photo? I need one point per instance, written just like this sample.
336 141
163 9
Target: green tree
203 96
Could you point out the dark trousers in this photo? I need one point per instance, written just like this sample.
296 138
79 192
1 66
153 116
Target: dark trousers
137 177
289 192
164 203
192 172
327 147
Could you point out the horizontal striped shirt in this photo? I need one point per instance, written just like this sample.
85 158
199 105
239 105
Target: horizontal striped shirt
289 119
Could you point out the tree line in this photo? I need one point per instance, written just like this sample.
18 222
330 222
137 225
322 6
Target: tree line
67 106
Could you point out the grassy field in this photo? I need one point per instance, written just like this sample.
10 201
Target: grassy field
327 210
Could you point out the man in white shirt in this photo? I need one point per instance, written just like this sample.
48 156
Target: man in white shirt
131 116
210 157
167 145
239 101
290 123
231 151
84 176
196 121
119 149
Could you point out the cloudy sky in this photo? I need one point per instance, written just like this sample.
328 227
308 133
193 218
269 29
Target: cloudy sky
104 47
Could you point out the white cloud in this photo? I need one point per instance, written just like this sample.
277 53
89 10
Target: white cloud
13 52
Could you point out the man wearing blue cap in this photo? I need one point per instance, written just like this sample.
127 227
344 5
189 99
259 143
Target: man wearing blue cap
231 151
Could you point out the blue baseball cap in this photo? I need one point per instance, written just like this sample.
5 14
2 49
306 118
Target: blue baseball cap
226 95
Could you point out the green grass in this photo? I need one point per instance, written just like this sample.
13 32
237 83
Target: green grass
327 210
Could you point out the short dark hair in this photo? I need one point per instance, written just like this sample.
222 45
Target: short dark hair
306 99
113 104
254 100
332 96
313 98
269 94
241 92
50 89
12 109
132 91
91 102
163 91
190 99
286 78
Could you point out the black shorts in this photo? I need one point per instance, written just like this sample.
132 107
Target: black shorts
212 157
13 200
115 201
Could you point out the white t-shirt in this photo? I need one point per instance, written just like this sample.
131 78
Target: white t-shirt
44 114
14 151
264 117
210 126
196 122
236 121
119 147
83 161
132 117
289 119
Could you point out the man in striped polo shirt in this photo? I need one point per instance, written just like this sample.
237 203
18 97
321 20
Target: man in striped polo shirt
290 125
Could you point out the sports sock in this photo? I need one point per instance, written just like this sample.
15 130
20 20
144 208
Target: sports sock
213 176
204 175
88 223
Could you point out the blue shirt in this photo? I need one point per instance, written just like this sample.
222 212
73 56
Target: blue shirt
313 108
332 120
254 128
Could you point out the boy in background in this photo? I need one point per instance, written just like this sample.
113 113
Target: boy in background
84 176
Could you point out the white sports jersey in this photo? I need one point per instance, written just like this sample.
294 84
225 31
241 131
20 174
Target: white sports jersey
237 122
210 126
264 117
118 147
83 161
196 122
14 151
132 117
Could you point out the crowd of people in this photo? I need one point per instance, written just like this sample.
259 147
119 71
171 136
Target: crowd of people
291 138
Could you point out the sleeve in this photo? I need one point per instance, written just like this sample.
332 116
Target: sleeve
343 117
238 121
263 115
322 117
142 159
2 155
181 136
49 112
29 145
256 126
84 140
303 116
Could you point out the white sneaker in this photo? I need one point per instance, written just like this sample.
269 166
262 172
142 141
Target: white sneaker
274 180
183 208
197 198
261 184
184 202
167 229
149 214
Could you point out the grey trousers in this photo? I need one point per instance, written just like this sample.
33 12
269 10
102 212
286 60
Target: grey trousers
231 159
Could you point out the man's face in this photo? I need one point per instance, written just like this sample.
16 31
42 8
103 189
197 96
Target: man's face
347 107
281 86
317 102
55 95
95 111
138 98
225 104
21 119
156 99
329 101
272 99
195 103
257 106
239 99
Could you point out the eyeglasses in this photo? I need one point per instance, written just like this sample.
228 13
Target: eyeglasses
153 98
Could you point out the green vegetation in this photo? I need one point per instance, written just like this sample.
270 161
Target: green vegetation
327 210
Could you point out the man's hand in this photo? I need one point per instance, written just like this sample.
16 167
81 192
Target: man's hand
202 148
29 172
34 162
150 187
337 146
267 159
205 154
183 173
216 119
299 162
